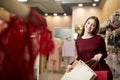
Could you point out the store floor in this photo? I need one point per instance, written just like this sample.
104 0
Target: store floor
53 75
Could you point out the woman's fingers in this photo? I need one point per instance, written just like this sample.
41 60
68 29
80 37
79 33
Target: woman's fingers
69 68
97 57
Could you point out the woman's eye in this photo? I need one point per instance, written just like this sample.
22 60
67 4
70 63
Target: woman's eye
93 25
88 22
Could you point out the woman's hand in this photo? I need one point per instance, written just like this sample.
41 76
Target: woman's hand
97 57
3 26
4 15
19 9
69 68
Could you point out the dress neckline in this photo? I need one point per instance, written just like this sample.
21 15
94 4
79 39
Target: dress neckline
88 38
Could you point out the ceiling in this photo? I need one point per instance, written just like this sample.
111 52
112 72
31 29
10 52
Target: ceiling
60 6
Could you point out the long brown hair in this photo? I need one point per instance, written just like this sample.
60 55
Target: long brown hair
96 28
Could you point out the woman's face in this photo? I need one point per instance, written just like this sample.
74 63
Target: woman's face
90 25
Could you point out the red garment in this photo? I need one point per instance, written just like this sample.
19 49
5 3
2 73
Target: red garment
12 49
46 42
87 48
19 47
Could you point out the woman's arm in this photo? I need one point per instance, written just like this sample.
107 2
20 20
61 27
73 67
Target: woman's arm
103 48
13 6
103 52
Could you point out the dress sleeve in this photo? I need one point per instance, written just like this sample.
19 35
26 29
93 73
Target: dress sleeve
103 47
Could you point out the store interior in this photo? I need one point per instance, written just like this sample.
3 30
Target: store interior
72 25
68 26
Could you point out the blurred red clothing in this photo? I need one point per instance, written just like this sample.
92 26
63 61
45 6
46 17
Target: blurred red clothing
19 46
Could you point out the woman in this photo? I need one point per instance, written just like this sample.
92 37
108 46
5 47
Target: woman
91 46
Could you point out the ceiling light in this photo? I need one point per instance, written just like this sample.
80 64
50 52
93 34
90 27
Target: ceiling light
22 0
64 14
94 4
46 14
96 0
55 14
80 5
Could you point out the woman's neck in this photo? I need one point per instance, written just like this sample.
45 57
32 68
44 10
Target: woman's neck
87 35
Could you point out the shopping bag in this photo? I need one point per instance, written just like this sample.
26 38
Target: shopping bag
91 63
80 71
102 75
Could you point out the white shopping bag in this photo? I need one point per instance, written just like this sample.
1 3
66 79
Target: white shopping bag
81 71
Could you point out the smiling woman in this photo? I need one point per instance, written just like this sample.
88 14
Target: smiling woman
91 46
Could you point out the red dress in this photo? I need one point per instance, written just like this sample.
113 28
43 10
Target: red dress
87 48
19 46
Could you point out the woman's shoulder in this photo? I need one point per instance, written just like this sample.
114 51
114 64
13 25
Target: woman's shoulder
99 37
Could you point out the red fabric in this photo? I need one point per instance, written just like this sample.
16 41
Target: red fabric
20 45
37 20
12 46
87 48
102 75
46 43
